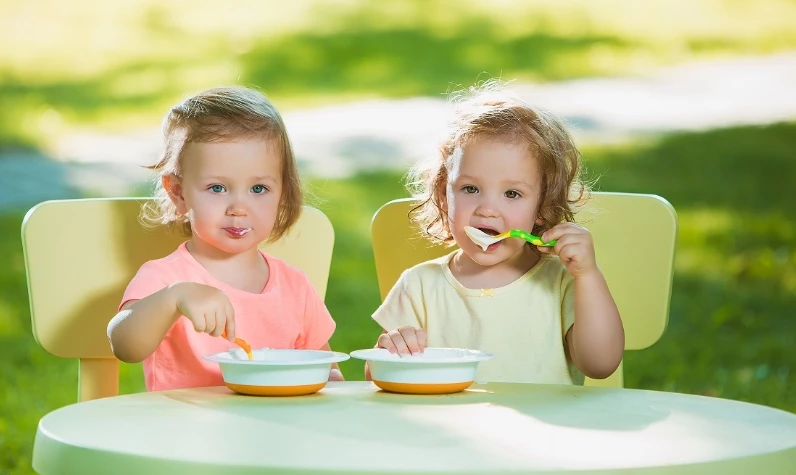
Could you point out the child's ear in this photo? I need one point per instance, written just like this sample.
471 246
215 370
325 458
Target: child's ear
173 186
443 197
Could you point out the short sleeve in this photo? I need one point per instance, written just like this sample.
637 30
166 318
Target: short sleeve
402 306
149 279
318 323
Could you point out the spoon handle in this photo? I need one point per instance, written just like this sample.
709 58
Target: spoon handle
535 240
241 343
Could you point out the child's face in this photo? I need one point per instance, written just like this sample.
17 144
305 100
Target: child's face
230 191
493 186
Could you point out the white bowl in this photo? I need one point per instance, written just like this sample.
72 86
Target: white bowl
276 372
435 371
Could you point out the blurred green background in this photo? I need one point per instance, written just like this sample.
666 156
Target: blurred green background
117 66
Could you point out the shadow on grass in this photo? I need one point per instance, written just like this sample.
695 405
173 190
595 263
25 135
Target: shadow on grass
748 169
416 60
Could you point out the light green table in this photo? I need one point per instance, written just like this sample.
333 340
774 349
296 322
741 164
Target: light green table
352 427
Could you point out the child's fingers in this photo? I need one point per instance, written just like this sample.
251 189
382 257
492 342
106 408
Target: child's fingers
409 336
554 233
421 339
564 241
398 340
229 325
567 253
210 321
563 229
221 322
385 342
199 323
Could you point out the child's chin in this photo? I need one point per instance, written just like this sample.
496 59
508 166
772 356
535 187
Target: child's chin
486 259
237 246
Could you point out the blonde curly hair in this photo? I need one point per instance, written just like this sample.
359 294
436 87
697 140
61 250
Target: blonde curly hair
491 111
221 114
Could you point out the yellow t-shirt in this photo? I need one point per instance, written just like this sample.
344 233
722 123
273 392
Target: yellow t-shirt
522 323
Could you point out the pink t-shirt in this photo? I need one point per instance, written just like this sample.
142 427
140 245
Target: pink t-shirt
287 314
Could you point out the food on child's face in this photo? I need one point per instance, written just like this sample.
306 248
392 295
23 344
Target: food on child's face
237 232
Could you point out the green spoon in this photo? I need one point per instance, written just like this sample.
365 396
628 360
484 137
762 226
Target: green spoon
484 240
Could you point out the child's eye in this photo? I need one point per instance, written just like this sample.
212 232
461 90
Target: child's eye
512 194
470 189
217 188
259 189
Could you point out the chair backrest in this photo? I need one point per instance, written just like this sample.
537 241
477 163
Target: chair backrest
81 254
634 239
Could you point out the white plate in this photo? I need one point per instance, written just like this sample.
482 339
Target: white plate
429 356
276 372
435 371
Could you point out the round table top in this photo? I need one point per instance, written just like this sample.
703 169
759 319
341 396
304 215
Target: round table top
353 427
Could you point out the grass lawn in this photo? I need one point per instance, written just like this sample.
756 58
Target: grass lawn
731 324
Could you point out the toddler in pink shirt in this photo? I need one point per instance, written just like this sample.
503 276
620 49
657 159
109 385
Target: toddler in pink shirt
229 180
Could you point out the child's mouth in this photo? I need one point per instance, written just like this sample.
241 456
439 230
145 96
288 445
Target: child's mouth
491 232
237 232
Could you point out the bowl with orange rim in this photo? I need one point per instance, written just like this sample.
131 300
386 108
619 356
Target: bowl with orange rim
276 372
435 371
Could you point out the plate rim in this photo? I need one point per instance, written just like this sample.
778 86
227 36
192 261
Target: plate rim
481 356
334 357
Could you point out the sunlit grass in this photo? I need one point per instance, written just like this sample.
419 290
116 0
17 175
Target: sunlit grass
85 39
120 64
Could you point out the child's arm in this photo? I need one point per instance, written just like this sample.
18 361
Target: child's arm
596 340
400 318
137 330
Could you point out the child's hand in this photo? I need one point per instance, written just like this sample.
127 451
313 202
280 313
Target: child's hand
575 248
404 341
207 307
336 375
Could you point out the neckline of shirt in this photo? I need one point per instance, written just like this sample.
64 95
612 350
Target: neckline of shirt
186 254
493 291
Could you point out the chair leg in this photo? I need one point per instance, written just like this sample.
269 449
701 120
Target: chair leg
98 378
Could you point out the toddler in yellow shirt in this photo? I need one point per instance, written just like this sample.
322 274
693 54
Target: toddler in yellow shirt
545 312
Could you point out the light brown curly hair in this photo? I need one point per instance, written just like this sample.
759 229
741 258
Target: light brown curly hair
217 115
490 111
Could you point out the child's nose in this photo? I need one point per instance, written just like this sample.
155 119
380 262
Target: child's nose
487 208
237 206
